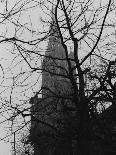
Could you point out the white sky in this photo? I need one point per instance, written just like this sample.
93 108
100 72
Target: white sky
35 19
5 147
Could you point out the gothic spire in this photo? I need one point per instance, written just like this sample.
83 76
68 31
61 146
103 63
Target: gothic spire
53 13
53 26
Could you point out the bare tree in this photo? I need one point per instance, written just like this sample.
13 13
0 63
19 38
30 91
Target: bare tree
90 84
75 84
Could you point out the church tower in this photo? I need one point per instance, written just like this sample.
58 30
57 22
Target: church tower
54 63
55 82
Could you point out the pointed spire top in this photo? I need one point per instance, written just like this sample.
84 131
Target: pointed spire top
53 13
53 27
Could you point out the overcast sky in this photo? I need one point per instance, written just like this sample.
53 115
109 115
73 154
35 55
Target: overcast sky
6 57
34 17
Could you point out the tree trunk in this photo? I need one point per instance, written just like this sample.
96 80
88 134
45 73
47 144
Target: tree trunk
83 138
